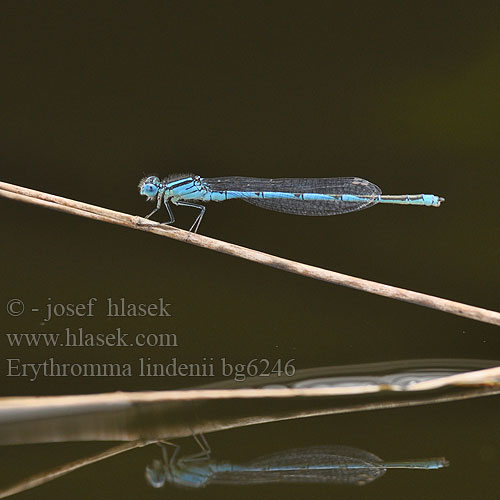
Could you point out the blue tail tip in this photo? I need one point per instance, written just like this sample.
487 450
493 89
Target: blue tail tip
431 200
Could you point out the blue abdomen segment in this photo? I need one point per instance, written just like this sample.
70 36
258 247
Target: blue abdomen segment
295 196
427 200
269 195
325 196
320 203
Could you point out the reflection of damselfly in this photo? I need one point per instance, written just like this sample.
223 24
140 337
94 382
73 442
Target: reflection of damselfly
321 464
326 196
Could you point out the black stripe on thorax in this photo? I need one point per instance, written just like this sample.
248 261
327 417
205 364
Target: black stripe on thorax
179 184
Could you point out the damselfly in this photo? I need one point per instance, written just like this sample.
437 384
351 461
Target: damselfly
321 464
327 196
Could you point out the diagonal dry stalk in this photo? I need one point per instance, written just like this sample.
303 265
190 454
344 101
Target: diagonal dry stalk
46 476
102 214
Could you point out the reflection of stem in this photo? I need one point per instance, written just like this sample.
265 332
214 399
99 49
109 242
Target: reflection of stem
416 463
45 477
98 213
489 376
174 414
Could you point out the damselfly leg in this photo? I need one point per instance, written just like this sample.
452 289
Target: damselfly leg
197 221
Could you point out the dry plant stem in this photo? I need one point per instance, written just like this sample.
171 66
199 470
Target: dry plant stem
98 213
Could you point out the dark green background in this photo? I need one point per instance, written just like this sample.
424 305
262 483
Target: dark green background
96 94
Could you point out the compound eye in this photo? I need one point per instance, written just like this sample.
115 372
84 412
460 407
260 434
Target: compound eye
155 474
149 190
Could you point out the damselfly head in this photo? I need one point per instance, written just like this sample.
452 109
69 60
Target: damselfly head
156 474
149 186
